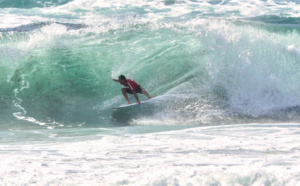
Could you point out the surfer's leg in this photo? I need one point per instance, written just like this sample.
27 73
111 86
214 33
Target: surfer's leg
125 94
146 93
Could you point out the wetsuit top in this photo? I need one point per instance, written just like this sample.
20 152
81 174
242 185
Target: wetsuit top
132 85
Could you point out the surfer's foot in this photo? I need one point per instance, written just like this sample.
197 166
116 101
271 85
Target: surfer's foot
150 97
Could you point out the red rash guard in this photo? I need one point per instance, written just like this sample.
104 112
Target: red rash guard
132 85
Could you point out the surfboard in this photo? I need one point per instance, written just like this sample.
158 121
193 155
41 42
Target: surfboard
132 104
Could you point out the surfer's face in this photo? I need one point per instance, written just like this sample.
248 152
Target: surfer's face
122 81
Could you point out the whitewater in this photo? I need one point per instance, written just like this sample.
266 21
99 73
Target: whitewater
225 74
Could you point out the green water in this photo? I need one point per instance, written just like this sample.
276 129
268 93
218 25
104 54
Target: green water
212 70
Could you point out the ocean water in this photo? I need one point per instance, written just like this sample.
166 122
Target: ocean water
225 74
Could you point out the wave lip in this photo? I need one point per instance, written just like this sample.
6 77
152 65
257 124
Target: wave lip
27 4
273 19
34 26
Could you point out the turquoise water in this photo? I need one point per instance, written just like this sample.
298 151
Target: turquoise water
225 75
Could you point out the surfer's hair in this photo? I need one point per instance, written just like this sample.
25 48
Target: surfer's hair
122 77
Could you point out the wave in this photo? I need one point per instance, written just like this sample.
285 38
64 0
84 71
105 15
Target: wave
277 19
34 26
209 71
27 4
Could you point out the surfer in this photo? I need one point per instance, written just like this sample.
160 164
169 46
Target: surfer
131 88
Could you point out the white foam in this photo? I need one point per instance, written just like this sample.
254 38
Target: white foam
252 154
86 11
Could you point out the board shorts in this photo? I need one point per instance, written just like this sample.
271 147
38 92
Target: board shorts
138 90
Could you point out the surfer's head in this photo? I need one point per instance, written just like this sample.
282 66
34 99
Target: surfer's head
122 79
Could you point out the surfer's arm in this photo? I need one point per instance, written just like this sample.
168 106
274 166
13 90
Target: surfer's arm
116 80
136 97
